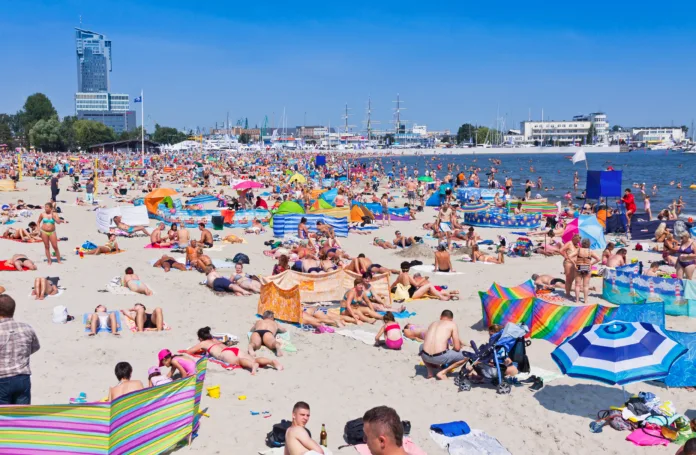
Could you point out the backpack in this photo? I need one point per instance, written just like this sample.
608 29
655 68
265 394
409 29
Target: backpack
518 354
276 437
240 257
353 432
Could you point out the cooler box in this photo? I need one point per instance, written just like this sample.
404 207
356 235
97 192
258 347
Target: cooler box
218 222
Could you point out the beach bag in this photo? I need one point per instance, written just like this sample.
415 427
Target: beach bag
518 354
240 257
400 292
60 314
276 437
89 245
353 432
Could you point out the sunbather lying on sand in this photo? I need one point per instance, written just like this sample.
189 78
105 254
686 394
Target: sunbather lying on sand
101 318
167 263
110 247
132 282
20 262
229 355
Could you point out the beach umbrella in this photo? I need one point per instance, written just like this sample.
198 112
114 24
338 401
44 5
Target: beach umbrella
589 228
247 184
425 178
299 178
161 193
618 352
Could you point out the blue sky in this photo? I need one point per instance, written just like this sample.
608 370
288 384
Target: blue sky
451 62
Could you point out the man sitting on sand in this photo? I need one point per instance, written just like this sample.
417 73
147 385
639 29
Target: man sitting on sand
167 263
547 282
206 236
298 441
263 333
130 230
435 351
618 259
183 235
124 371
159 237
101 318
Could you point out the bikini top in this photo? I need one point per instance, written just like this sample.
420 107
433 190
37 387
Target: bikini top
688 250
392 327
48 220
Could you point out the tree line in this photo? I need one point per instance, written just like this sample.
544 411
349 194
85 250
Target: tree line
38 125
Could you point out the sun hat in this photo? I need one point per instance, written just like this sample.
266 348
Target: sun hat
153 370
162 355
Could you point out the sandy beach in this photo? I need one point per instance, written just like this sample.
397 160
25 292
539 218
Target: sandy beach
339 377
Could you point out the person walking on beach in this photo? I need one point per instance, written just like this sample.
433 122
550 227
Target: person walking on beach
54 186
18 342
298 441
384 432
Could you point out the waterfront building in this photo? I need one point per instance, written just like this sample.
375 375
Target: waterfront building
657 134
564 132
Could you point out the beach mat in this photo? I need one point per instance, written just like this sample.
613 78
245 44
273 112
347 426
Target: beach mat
400 315
60 292
157 247
358 334
224 365
85 318
5 267
475 443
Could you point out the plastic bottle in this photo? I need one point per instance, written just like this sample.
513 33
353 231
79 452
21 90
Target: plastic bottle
323 438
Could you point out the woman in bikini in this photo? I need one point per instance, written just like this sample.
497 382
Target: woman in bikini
132 282
415 332
244 281
48 220
356 308
110 247
43 287
229 355
686 259
20 262
583 260
478 256
568 251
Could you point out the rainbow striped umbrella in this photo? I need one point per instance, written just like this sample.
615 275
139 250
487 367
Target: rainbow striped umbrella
618 353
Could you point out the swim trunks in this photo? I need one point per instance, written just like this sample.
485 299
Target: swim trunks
447 357
221 284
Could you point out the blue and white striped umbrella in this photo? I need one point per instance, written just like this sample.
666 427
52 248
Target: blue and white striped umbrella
618 353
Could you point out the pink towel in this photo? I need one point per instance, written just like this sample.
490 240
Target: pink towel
409 446
150 245
644 437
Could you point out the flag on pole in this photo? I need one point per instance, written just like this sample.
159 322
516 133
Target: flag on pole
138 99
579 156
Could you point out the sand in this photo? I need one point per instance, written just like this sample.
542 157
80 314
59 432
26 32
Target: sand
340 378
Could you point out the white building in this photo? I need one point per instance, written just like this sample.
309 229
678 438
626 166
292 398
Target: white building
657 134
567 131
421 130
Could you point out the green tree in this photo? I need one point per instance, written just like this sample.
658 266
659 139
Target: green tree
45 134
244 138
88 133
167 135
685 129
616 128
445 139
591 134
6 136
67 133
130 135
465 133
36 107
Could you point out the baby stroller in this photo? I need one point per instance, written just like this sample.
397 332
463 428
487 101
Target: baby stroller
488 359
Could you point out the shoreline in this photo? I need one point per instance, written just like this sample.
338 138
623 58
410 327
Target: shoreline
484 151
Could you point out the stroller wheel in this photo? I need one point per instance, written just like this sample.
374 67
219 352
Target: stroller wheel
504 388
464 385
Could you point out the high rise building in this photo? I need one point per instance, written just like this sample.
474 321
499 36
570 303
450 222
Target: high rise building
94 100
93 61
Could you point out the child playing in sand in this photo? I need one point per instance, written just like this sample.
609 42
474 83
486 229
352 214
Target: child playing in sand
392 333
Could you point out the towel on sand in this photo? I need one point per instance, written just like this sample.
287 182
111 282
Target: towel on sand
475 443
427 268
546 375
134 328
157 246
409 446
400 315
9 267
281 451
60 292
218 263
85 318
358 334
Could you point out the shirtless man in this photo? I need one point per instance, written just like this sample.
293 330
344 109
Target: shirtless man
297 438
403 242
263 333
435 351
124 371
184 236
158 237
618 259
220 283
206 236
547 282
129 229
167 263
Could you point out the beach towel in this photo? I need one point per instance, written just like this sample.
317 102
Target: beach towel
546 375
427 268
5 267
85 318
134 328
220 363
358 334
158 246
476 442
400 315
451 429
409 447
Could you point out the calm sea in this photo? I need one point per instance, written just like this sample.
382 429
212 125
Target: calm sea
652 167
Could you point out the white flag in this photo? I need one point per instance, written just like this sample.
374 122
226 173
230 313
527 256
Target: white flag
579 156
